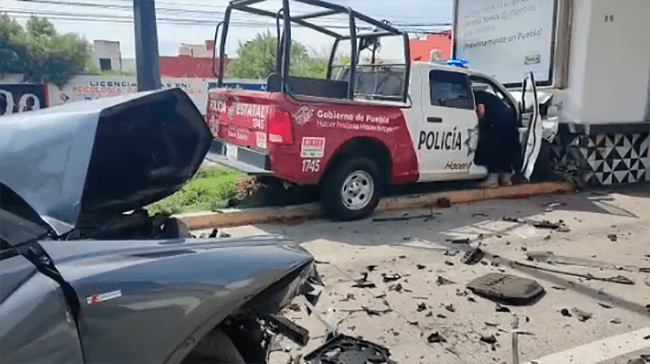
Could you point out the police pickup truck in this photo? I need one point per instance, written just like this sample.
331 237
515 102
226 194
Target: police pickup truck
363 127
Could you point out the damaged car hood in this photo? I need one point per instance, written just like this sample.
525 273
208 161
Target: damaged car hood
170 294
102 157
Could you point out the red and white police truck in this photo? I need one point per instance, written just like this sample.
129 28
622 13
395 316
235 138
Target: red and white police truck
370 123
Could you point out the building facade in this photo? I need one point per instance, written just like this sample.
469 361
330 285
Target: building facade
108 56
432 46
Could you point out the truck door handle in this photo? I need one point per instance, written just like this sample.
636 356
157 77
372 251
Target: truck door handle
433 119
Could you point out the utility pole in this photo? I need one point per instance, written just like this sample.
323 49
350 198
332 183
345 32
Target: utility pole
146 45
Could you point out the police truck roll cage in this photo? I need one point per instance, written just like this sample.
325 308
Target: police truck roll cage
282 82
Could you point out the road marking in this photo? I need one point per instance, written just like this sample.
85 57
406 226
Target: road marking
602 350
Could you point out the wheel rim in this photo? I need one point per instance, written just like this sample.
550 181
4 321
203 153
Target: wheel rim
357 190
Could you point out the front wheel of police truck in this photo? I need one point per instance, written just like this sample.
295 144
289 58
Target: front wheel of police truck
353 188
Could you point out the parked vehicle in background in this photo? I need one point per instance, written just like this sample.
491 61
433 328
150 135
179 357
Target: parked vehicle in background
364 127
89 277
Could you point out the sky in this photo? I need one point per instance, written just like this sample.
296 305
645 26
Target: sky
194 21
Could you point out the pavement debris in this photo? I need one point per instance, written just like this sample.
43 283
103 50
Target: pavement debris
450 308
471 299
451 253
506 288
439 316
372 312
616 321
581 315
396 287
390 278
605 304
549 257
559 226
350 296
459 241
436 338
422 307
363 282
472 256
404 218
449 263
565 312
612 237
443 202
289 329
370 268
545 224
500 308
441 281
342 347
420 266
488 339
616 279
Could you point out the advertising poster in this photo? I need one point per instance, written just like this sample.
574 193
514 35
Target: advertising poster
506 39
82 88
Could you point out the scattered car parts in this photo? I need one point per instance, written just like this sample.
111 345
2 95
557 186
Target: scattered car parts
344 349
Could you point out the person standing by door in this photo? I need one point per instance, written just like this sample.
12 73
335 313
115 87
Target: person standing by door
498 146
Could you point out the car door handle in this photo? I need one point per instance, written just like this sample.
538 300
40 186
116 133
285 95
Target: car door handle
433 119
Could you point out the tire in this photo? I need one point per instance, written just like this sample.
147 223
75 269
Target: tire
352 190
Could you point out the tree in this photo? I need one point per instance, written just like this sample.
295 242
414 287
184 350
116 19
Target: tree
40 53
257 59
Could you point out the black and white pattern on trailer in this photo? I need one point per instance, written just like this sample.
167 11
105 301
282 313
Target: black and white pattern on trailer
607 159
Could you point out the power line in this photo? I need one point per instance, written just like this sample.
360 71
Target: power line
187 21
187 11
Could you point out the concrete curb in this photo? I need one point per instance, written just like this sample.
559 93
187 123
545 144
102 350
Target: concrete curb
239 217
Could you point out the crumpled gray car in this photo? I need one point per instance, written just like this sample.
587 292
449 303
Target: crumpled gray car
87 276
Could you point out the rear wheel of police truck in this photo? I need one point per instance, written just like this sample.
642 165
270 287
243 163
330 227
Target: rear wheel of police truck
353 188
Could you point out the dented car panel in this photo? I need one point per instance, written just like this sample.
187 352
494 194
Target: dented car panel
168 296
102 157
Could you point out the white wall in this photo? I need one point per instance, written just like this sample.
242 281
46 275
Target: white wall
618 62
572 97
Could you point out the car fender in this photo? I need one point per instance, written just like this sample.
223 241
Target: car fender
152 301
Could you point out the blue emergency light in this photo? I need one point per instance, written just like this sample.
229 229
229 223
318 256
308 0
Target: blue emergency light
459 62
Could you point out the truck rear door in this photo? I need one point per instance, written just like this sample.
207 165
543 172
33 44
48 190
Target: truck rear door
532 134
449 119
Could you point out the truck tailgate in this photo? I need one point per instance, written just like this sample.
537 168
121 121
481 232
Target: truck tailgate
240 117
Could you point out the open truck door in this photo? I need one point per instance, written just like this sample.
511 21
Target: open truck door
531 120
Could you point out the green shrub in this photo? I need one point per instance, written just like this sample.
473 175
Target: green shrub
209 187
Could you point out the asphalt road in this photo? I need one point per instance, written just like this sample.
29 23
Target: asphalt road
611 230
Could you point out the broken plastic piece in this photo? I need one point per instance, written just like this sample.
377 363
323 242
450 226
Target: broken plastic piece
436 338
472 256
281 325
506 288
346 349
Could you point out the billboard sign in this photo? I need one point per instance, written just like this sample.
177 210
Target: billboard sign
81 88
506 39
